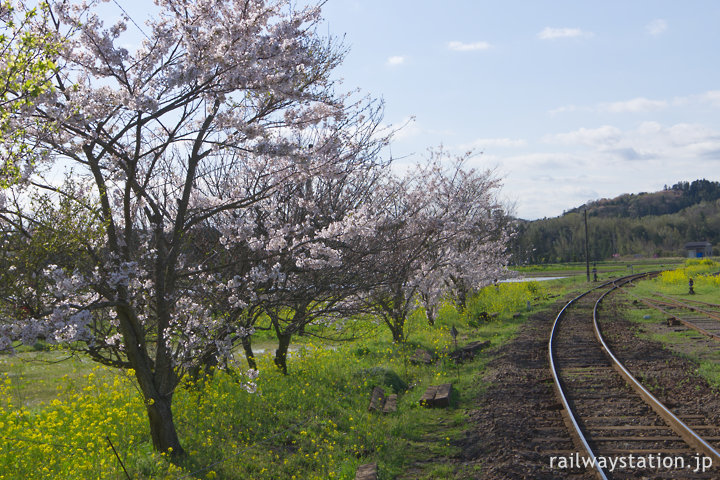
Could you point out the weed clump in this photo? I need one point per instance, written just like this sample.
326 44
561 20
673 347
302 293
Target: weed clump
478 319
384 377
361 351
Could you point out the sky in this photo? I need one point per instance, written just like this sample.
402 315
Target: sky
567 101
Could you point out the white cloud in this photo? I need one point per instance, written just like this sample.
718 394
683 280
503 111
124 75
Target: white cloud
570 109
468 47
590 163
549 33
395 61
649 140
649 128
483 143
712 97
408 128
605 136
680 144
563 109
544 162
656 27
636 105
693 136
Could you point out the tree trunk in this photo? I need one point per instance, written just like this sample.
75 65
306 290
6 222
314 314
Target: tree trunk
152 382
282 350
461 299
205 365
430 314
397 329
159 410
461 293
429 308
162 426
249 355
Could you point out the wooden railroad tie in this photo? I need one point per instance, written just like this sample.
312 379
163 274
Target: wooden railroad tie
381 403
673 321
468 351
437 396
369 471
422 356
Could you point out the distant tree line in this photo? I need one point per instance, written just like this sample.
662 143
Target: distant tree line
648 224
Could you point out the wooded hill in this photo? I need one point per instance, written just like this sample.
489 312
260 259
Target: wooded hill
646 224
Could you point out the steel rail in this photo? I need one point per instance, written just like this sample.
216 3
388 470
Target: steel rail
569 415
714 305
680 427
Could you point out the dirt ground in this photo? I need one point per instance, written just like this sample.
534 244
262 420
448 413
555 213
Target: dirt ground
519 412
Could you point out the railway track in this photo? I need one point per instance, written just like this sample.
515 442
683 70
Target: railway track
619 428
699 316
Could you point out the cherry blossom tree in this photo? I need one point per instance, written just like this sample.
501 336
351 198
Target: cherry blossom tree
174 146
441 227
479 231
406 234
313 236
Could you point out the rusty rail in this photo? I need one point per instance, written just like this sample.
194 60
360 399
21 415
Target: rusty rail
683 430
571 419
680 427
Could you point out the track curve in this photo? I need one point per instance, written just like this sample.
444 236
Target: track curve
610 415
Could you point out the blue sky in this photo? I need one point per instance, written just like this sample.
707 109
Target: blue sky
568 101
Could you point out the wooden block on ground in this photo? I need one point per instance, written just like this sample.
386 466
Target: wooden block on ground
475 346
442 396
468 351
429 396
390 403
369 471
377 400
437 396
422 356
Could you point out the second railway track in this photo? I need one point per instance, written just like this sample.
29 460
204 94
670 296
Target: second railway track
699 316
618 429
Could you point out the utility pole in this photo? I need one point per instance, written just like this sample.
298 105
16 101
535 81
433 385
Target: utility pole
587 249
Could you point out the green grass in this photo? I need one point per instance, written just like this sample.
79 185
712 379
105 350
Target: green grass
683 342
38 375
710 371
605 267
674 282
310 424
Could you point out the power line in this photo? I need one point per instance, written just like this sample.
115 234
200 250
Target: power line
131 19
